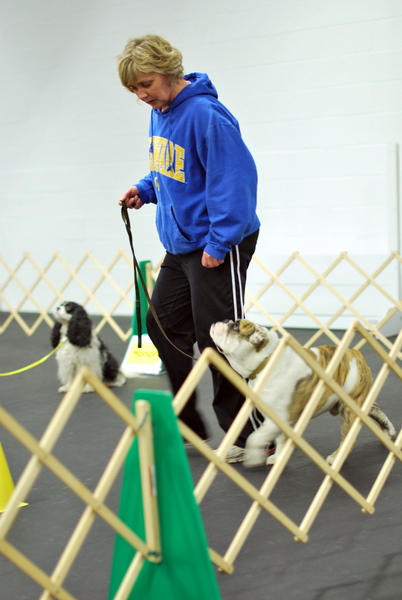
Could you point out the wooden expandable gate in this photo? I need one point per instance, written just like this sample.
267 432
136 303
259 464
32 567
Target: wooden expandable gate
29 287
42 455
259 498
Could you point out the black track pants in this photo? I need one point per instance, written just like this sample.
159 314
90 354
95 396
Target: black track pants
188 298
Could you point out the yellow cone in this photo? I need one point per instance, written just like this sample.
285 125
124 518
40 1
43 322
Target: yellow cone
6 482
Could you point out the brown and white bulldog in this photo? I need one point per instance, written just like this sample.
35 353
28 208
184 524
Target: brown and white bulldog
248 347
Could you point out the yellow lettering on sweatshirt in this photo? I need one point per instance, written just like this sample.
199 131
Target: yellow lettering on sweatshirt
167 158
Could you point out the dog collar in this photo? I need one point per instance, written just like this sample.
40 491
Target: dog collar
258 369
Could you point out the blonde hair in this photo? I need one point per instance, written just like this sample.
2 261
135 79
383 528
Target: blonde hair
149 54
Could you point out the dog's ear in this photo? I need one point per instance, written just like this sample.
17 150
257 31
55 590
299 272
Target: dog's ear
55 335
79 329
259 338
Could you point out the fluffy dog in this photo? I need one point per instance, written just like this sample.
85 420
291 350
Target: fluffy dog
81 347
248 347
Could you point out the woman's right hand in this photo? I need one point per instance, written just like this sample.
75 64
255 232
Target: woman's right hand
131 198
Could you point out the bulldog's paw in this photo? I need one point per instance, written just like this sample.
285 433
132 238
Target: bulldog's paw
254 457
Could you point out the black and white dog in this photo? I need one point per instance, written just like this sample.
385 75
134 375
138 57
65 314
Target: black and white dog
81 347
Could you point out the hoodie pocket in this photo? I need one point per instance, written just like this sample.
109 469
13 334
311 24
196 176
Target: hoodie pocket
179 231
172 237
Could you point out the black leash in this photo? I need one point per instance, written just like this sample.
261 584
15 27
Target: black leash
137 273
138 276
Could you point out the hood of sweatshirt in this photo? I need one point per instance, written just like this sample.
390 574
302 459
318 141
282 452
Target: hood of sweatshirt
202 176
200 85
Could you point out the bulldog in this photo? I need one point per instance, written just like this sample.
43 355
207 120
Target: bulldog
248 347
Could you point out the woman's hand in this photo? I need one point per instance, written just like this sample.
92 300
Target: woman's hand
131 198
209 261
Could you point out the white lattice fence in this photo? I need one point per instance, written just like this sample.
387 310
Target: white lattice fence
259 498
327 300
85 283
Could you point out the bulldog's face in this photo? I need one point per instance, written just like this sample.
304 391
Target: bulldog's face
245 344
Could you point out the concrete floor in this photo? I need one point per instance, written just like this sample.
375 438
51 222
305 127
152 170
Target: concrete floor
349 555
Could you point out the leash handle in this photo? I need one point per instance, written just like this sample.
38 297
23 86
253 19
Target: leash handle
137 271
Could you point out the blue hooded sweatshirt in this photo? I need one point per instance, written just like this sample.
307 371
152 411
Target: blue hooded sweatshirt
202 177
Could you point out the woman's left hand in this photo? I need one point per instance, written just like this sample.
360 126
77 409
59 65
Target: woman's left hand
209 261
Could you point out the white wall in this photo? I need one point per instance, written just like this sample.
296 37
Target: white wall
316 86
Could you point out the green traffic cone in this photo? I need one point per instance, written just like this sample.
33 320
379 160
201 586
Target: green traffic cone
143 300
185 571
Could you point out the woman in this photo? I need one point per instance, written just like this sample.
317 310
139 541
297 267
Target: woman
203 181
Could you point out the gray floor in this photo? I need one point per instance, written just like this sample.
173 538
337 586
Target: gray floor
349 555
